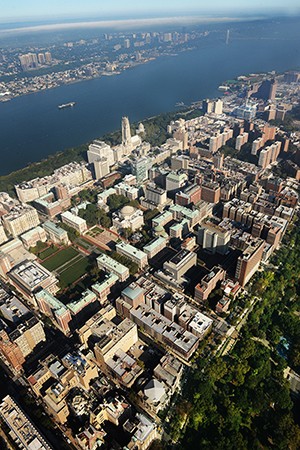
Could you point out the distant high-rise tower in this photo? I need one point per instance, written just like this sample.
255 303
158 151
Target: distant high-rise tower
208 106
267 90
48 57
227 37
126 133
126 43
141 168
41 58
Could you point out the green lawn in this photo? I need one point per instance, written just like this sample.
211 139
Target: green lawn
47 252
40 246
97 230
60 258
83 243
73 272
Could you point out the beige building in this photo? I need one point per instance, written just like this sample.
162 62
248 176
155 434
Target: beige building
111 266
112 337
131 252
214 237
128 217
28 335
20 219
3 237
12 253
123 337
180 162
101 168
71 175
180 264
241 140
31 237
22 430
73 370
174 336
155 194
155 246
20 333
56 234
143 431
176 181
98 150
269 155
126 189
114 409
73 221
256 145
29 276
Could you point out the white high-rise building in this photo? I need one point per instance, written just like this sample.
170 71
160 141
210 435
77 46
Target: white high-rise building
48 57
98 150
126 43
101 168
126 135
218 107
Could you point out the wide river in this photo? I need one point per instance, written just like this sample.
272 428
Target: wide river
32 127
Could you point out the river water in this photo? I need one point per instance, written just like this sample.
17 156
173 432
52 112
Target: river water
32 127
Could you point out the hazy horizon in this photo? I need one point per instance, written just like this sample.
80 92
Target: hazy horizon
33 10
125 22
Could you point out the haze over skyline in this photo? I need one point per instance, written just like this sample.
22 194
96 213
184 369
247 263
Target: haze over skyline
34 9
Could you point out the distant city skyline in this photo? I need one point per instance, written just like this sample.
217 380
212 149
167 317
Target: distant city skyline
32 9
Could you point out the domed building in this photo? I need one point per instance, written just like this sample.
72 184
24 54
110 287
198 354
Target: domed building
160 231
128 217
127 211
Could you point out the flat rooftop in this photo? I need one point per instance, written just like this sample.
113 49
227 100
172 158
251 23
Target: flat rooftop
171 333
181 255
52 227
72 218
30 274
155 243
130 249
13 310
200 323
21 427
111 264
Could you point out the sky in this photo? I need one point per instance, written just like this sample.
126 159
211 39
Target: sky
43 9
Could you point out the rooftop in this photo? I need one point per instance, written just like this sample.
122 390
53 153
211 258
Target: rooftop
31 233
173 334
87 297
153 244
132 291
30 274
107 283
56 305
130 249
21 427
12 309
200 323
111 264
52 227
72 218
